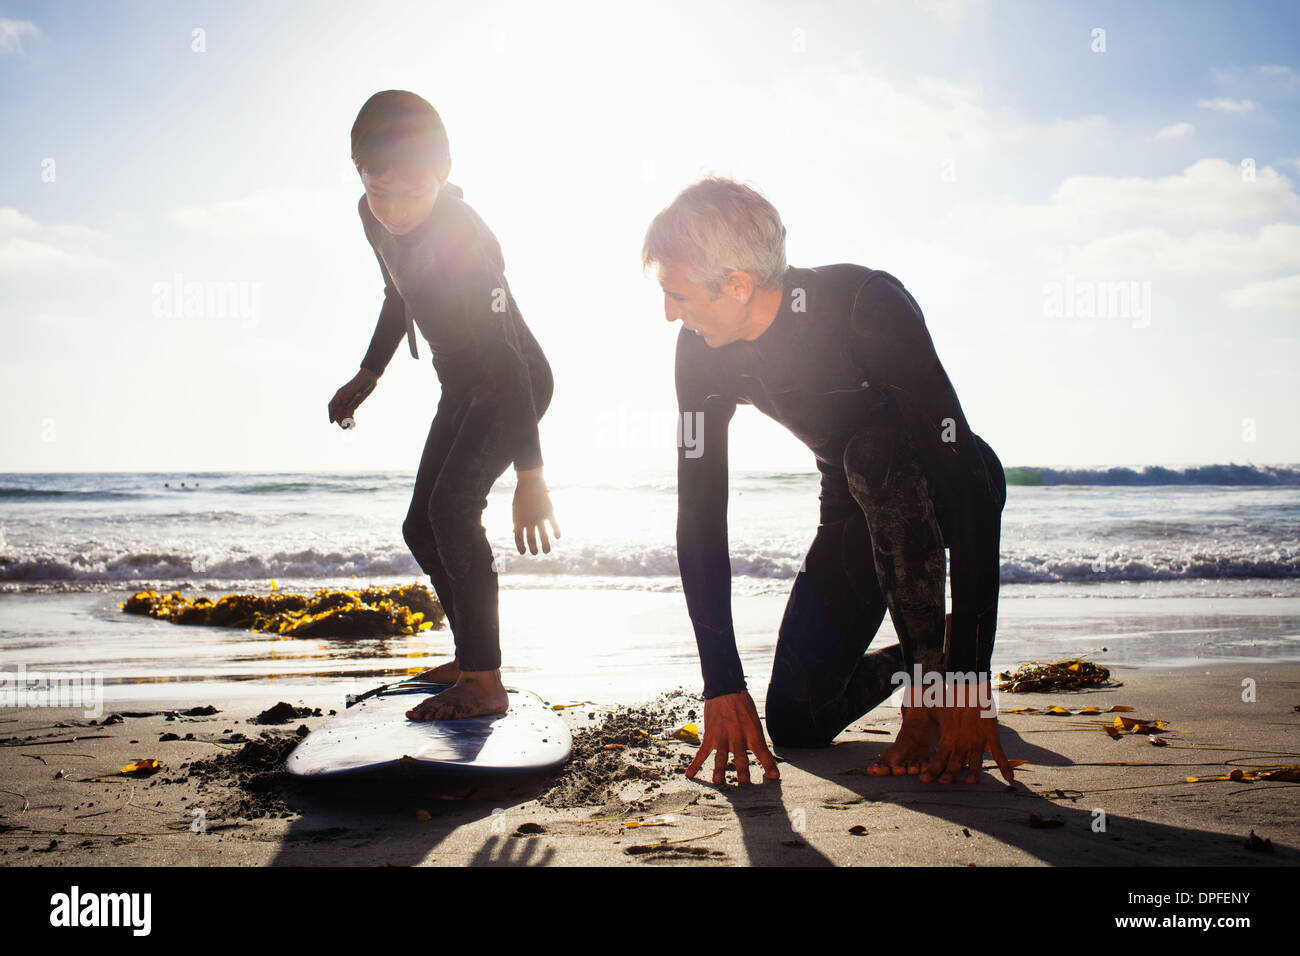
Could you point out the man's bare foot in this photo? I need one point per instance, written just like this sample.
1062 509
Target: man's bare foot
913 747
475 694
447 673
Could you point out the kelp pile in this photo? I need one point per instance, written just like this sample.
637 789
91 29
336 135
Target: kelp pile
1068 674
368 613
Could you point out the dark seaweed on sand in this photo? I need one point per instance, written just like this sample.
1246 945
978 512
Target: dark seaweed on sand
284 712
255 773
626 745
1069 674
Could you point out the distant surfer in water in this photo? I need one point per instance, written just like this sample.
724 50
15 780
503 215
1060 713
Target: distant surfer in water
840 356
444 273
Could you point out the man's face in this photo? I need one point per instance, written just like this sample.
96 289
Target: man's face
401 201
719 321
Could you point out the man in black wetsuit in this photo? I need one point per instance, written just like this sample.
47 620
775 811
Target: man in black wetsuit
840 356
443 272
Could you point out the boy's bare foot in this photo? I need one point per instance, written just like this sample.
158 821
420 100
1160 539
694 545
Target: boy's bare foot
447 673
475 694
914 746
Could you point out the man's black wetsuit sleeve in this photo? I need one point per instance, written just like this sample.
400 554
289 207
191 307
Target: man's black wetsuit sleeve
702 551
392 320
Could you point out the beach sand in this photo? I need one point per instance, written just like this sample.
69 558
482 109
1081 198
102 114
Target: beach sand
1062 810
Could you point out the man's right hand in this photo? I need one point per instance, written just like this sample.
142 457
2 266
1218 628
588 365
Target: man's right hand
732 728
346 399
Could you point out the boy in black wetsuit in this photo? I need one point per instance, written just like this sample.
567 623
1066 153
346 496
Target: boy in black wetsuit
444 273
839 355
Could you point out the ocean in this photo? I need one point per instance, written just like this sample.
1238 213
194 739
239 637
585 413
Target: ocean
1158 566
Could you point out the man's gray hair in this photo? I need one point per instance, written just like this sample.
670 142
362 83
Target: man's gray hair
715 227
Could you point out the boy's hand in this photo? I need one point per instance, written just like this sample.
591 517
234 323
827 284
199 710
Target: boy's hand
532 510
346 399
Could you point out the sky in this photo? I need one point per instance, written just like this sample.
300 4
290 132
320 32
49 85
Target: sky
1095 205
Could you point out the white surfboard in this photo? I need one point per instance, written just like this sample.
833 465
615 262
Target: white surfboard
374 735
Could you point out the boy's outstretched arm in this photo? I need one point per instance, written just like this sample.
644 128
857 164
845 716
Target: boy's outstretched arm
392 324
388 334
383 343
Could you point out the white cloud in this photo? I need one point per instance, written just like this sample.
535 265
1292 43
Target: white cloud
1281 73
26 245
1226 104
11 221
274 212
1177 230
1209 192
24 256
1155 253
1280 295
1271 79
1175 131
845 110
12 33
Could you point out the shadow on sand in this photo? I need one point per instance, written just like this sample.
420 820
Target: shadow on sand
381 820
1064 836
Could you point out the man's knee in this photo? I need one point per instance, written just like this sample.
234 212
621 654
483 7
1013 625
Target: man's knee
791 722
793 700
872 451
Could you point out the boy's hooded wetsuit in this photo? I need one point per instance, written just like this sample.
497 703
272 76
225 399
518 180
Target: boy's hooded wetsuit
848 366
447 277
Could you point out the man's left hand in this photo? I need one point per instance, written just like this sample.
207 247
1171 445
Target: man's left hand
966 731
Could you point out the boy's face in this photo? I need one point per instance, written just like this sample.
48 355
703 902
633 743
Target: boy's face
401 200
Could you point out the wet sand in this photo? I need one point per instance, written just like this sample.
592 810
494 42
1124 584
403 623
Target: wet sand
1062 810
